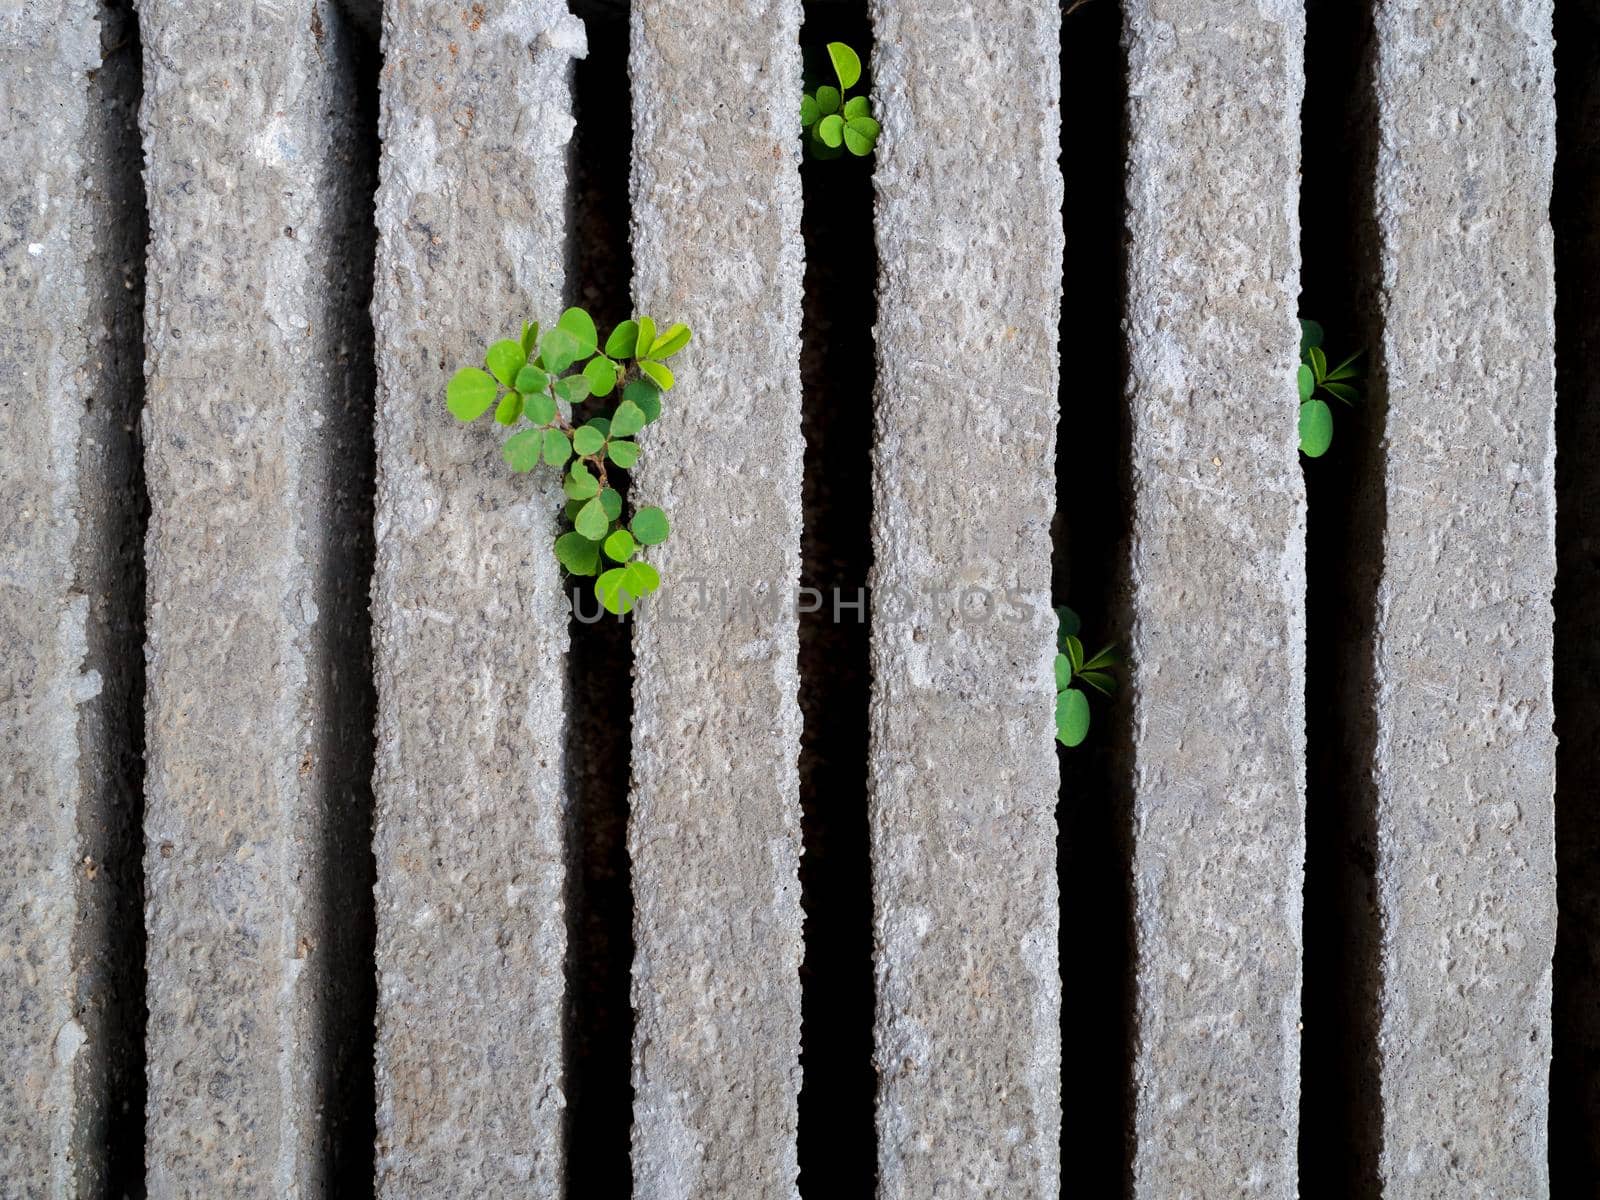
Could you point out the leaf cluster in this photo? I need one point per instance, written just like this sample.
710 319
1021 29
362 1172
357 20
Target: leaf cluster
535 384
1316 380
1073 667
833 122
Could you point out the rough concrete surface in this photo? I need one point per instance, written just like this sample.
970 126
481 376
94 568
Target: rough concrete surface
1465 759
52 786
469 617
1217 648
962 766
251 189
715 830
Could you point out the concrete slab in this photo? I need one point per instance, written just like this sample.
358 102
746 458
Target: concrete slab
1218 577
715 827
962 766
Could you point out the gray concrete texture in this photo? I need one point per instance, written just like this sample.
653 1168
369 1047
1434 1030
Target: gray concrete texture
715 829
250 425
63 414
1465 754
1217 645
470 623
962 768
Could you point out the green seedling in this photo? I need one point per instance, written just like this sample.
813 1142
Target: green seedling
1072 669
535 385
834 122
1317 381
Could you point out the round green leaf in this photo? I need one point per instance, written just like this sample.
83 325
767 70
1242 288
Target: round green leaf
650 526
558 350
611 502
627 420
601 373
846 64
827 100
624 454
1316 428
577 553
1063 671
540 407
620 546
645 394
470 393
573 389
581 326
531 379
647 337
510 409
586 440
658 373
669 343
1306 382
592 521
521 450
600 423
1072 717
857 106
860 135
611 592
808 111
557 449
505 359
820 149
579 484
1310 335
831 130
640 578
623 339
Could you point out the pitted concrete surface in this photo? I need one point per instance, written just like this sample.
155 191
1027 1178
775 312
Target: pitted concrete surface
250 189
470 622
962 770
50 288
1218 573
715 829
1466 754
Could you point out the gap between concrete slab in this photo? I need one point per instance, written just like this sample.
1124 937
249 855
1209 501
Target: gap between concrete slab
1340 1113
837 1137
1091 533
1575 212
600 666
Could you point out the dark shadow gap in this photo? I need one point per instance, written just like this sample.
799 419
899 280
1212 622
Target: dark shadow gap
1091 533
342 759
1575 213
599 893
837 1136
115 510
1340 1112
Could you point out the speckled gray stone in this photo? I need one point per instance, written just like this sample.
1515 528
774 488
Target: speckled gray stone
56 292
252 185
469 616
1465 751
715 826
1218 573
962 768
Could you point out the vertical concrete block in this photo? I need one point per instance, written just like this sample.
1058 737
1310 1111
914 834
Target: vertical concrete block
252 190
715 824
469 617
962 766
1217 647
1465 750
65 704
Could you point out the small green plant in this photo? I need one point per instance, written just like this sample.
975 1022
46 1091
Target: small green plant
1072 703
1316 381
834 123
539 381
